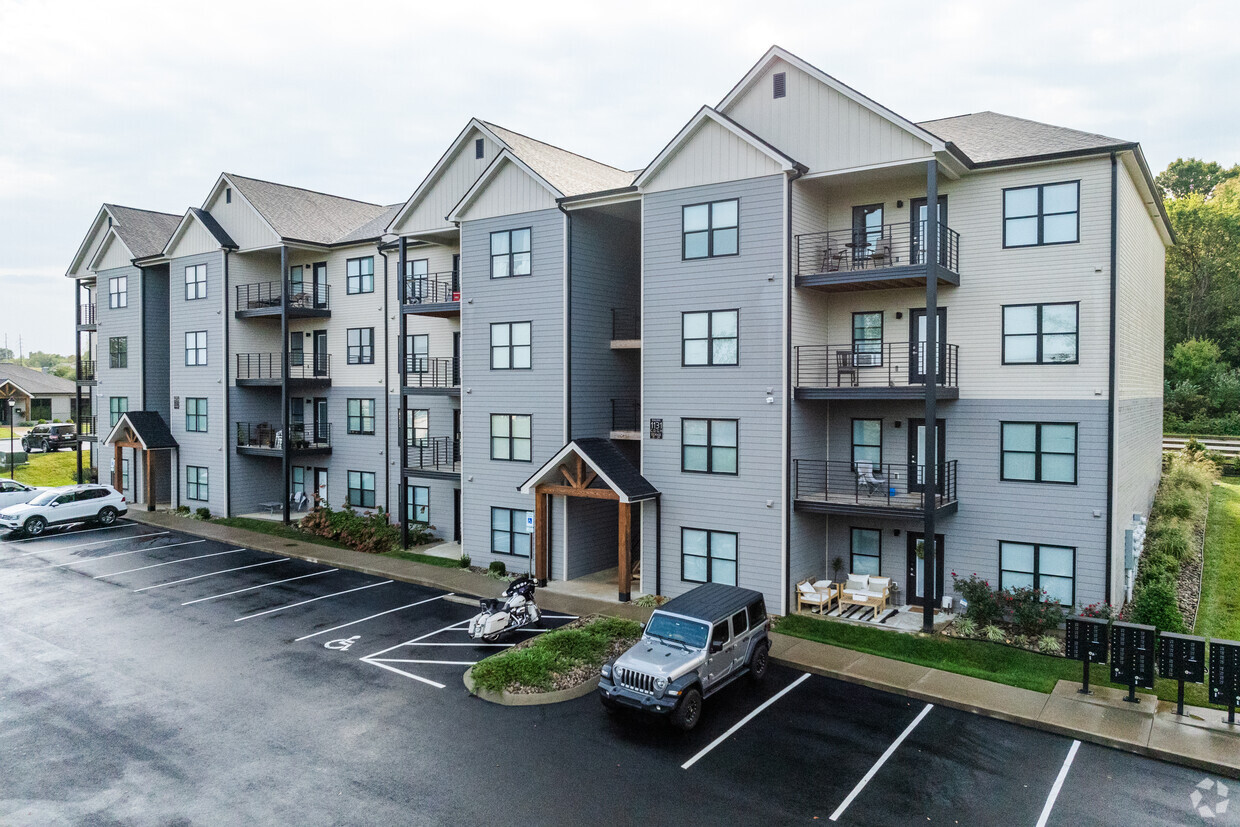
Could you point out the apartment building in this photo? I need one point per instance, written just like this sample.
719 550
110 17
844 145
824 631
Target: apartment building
756 358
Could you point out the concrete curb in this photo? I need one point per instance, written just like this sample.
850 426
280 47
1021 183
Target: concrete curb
506 698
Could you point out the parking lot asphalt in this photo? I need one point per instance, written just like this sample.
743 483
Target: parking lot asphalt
151 677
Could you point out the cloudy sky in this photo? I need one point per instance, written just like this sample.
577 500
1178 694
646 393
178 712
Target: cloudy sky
143 104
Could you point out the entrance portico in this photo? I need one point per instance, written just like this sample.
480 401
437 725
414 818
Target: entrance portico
146 433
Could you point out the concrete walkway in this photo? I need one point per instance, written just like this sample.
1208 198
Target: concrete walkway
1199 739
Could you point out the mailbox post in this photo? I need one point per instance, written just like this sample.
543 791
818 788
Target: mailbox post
1132 657
1086 641
1225 675
1181 658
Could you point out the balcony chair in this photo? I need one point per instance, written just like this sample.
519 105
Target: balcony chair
298 501
833 258
846 363
874 481
881 255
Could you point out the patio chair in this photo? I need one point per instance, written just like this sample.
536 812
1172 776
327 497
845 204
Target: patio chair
846 363
807 595
832 258
867 591
299 501
874 481
881 255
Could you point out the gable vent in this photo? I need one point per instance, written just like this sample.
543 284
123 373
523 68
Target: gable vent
780 83
479 150
228 195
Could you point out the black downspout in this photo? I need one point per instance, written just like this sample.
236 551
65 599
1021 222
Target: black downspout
931 371
77 338
1111 403
568 329
402 255
284 420
227 407
387 386
787 389
658 544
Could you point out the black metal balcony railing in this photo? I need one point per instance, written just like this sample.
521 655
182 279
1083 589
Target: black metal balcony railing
86 313
625 323
267 435
432 371
626 415
889 485
431 288
440 453
86 370
892 245
86 426
301 365
266 295
874 365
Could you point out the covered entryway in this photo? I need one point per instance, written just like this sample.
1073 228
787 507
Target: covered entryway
147 435
20 399
590 469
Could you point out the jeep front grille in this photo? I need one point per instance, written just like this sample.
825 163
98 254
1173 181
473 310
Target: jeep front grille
635 681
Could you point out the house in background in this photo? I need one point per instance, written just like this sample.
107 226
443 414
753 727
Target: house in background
38 395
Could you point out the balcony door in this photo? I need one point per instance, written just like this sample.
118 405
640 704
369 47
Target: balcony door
917 340
867 229
918 231
919 578
456 358
917 453
320 352
320 484
320 420
319 283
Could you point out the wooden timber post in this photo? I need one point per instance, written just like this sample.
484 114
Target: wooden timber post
116 470
540 537
150 483
626 566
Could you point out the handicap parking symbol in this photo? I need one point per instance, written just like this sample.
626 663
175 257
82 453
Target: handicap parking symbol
342 644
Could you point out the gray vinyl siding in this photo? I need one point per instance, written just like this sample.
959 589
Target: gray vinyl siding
605 275
155 356
443 522
539 392
352 452
751 281
114 382
252 480
1138 468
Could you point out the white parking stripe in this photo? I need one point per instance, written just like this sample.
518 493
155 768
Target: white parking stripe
839 811
382 665
311 600
169 563
210 574
440 662
372 617
415 640
62 536
123 553
260 586
725 736
1054 794
85 545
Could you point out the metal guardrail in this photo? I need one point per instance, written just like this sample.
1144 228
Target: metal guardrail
86 370
626 415
266 435
881 364
86 426
892 245
626 324
432 371
266 295
431 288
270 366
889 485
86 313
440 453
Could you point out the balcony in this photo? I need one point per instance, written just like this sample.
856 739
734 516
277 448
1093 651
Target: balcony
879 258
626 419
428 375
86 372
86 315
432 294
86 429
438 457
836 487
263 439
887 370
263 300
266 370
626 329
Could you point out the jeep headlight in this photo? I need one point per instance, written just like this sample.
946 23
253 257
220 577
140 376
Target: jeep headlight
660 684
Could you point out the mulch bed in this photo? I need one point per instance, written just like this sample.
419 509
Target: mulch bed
578 674
1188 584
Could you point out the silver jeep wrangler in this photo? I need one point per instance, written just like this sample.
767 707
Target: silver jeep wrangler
693 646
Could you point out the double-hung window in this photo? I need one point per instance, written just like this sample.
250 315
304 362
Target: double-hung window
710 230
708 446
197 483
510 346
867 442
117 405
510 437
710 338
707 556
417 352
1047 568
418 504
509 531
361 345
510 253
361 416
417 427
1043 214
1040 334
118 292
1039 452
362 489
196 347
196 414
360 275
118 352
196 282
866 551
867 339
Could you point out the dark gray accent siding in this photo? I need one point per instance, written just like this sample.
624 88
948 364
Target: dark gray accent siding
592 536
155 356
753 282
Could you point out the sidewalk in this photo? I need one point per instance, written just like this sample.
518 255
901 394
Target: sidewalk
1199 739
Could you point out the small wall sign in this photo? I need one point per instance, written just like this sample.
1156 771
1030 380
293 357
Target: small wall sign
656 429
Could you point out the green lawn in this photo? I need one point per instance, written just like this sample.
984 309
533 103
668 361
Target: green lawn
276 529
554 653
429 559
56 468
1219 613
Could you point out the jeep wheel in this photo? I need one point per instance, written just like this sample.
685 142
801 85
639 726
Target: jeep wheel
35 526
688 711
107 516
759 661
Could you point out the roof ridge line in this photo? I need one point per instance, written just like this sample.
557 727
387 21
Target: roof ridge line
553 146
303 189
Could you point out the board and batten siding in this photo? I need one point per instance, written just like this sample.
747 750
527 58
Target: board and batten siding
749 503
509 192
113 254
455 178
711 155
820 127
539 299
241 221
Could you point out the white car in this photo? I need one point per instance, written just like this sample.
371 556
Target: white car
60 506
13 492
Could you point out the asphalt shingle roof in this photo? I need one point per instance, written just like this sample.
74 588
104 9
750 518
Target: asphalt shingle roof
34 380
144 232
568 172
150 428
305 215
989 137
608 459
374 228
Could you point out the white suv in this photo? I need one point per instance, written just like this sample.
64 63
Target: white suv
59 506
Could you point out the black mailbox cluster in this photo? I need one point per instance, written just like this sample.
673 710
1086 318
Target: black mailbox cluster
1225 674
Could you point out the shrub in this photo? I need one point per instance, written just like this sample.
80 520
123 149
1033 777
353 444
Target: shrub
371 533
1032 614
464 561
421 534
553 653
993 633
183 510
497 568
1155 605
984 607
650 601
203 513
965 627
1102 610
1048 645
